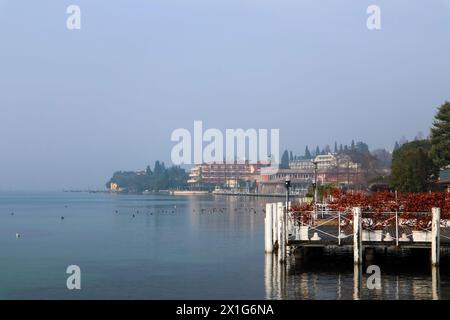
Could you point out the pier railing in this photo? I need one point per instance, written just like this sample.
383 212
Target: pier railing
321 225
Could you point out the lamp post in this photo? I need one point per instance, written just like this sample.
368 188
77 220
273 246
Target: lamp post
315 182
287 184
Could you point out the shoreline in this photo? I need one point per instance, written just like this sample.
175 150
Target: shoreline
190 193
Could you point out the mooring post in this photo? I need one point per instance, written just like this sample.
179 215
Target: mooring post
268 229
357 239
281 233
287 184
435 235
274 223
289 223
357 281
280 230
435 283
339 228
268 276
279 227
396 228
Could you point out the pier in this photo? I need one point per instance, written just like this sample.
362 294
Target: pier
288 232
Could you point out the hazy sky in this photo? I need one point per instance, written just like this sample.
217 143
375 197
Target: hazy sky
77 105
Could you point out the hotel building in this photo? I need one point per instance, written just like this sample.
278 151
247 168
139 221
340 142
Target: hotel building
224 174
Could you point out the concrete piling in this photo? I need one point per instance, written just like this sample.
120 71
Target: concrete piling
274 223
281 233
357 236
435 236
268 232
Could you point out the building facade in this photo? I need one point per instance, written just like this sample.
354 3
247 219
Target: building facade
326 169
224 174
444 179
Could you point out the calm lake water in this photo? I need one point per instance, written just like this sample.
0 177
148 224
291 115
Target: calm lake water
175 247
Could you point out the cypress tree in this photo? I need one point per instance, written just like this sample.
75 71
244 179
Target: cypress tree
440 137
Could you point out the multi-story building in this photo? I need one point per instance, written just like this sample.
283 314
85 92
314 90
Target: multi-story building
224 174
325 162
444 179
302 165
329 168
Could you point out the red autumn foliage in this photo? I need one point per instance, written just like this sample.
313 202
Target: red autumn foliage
408 206
300 211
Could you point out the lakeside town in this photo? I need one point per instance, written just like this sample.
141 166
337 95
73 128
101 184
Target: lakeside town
419 165
224 159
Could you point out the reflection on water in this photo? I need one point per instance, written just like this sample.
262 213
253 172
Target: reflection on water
322 276
131 246
168 247
435 282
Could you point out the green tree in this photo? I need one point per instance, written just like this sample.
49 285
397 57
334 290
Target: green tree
440 137
307 153
284 164
158 168
412 167
324 189
396 146
362 147
162 178
359 152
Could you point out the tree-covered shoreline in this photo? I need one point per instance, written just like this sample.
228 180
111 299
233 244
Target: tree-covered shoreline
416 165
160 178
